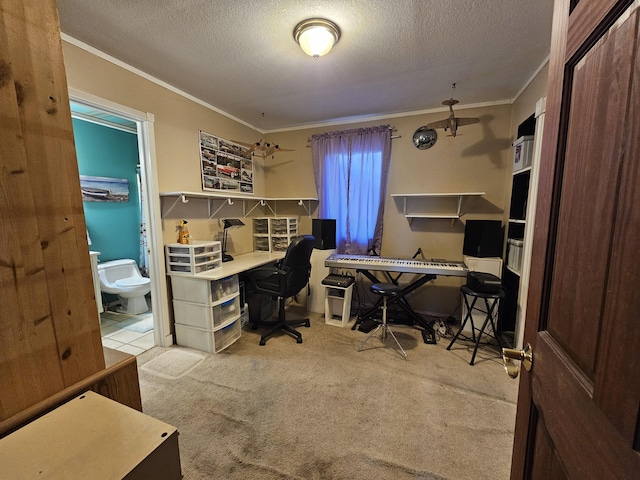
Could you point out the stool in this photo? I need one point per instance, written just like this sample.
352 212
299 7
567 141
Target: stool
490 301
386 290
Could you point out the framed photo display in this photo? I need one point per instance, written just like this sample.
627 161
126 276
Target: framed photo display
225 166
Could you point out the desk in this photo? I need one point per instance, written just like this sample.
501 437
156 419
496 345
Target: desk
240 263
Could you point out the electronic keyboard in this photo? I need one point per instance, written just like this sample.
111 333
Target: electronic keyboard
367 262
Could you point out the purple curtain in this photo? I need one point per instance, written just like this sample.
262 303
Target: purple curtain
351 169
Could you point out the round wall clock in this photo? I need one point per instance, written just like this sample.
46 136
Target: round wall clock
424 138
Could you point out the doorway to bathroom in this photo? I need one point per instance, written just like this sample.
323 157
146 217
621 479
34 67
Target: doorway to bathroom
109 149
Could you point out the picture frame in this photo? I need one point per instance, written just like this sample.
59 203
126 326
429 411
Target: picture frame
104 189
225 166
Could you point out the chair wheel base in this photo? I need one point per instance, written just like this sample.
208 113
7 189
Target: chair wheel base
299 340
263 342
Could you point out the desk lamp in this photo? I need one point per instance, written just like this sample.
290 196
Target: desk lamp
228 223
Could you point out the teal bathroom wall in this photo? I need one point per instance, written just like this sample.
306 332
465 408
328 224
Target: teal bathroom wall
114 227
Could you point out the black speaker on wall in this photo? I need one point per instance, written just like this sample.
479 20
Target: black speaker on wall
324 230
483 238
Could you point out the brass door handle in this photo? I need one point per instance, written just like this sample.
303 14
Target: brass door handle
511 354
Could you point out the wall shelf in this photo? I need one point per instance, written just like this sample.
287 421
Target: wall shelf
457 199
217 201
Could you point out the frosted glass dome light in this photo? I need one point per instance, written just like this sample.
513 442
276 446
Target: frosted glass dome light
316 36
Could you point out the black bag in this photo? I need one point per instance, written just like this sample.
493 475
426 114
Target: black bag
483 282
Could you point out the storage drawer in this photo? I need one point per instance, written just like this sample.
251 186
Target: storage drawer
207 340
261 226
192 270
198 290
280 244
195 258
261 244
195 248
209 317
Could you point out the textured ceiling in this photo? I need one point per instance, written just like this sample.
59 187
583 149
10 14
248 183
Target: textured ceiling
393 57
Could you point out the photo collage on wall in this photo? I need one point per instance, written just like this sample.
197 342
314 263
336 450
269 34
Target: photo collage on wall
226 166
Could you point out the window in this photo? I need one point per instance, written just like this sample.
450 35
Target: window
351 170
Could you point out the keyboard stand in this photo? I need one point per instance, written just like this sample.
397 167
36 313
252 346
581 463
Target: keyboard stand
428 333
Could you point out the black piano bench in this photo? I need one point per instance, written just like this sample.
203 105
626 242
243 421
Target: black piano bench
490 312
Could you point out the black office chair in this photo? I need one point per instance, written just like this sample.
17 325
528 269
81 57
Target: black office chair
283 280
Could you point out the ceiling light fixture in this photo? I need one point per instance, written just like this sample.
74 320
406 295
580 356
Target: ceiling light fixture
316 36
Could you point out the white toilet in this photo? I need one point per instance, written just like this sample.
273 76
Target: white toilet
122 278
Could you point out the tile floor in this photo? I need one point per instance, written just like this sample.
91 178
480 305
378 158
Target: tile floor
128 333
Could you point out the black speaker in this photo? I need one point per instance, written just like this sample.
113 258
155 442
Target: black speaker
483 238
324 230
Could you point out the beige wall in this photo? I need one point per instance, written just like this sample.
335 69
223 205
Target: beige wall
478 159
177 123
526 101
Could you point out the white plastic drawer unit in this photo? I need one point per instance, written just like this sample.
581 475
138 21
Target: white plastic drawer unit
261 243
261 226
284 226
207 340
208 317
274 234
280 244
196 257
207 292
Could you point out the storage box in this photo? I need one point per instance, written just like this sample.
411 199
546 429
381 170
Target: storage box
207 340
280 244
514 258
261 226
284 226
209 317
274 234
522 152
198 290
261 243
195 258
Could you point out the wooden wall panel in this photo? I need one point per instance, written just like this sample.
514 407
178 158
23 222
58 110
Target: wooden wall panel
49 327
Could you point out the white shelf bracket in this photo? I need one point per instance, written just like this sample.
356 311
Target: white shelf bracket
253 208
180 198
269 207
307 207
211 215
459 205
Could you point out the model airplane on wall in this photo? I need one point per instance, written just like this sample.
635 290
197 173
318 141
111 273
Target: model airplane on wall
452 123
263 149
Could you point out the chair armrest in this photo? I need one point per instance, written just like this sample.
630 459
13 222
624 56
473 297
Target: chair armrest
262 273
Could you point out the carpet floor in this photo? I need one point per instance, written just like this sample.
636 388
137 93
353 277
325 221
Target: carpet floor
323 410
